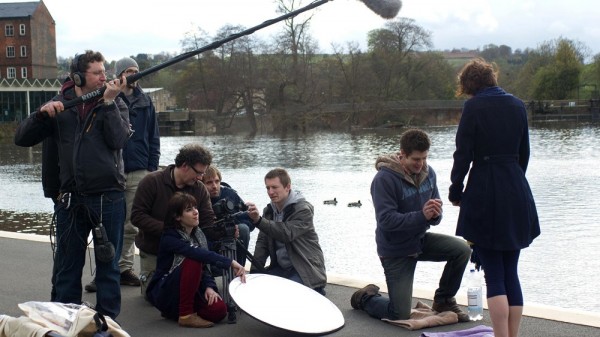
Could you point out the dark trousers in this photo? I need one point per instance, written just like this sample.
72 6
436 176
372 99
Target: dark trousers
73 226
179 293
501 276
400 273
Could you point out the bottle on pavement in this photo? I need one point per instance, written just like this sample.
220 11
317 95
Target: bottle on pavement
474 296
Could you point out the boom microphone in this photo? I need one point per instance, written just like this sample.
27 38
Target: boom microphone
387 9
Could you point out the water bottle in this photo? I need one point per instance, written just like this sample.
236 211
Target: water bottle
474 296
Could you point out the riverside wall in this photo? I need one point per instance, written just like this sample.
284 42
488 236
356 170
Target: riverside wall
339 117
359 116
351 117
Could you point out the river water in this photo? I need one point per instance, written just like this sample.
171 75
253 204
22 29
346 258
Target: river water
559 269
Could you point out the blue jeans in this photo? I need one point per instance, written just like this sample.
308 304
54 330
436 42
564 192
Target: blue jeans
400 273
73 226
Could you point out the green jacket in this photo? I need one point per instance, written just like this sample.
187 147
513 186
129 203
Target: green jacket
298 234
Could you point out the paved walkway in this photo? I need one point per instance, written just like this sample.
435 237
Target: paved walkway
25 270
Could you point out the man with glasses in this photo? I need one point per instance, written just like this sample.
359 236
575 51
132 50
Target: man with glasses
89 137
152 195
140 156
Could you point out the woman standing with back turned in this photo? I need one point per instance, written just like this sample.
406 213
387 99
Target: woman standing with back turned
497 211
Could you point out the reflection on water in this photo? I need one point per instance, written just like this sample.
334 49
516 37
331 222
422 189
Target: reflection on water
30 223
563 175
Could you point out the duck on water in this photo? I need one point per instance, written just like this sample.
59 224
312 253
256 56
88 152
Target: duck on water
330 202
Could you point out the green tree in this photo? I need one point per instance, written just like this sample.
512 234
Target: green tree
392 50
559 79
591 79
491 52
430 77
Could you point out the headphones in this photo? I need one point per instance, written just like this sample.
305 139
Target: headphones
77 76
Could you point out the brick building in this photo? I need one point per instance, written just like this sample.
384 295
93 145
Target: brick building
28 67
27 41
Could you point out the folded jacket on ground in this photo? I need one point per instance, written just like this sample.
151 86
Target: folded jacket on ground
422 316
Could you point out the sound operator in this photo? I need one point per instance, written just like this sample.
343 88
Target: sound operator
89 137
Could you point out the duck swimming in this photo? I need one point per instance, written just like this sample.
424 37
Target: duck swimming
354 204
330 202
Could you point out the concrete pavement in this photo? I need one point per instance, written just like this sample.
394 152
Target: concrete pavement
25 270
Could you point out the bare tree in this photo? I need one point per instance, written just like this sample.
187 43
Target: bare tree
292 83
234 81
392 48
194 40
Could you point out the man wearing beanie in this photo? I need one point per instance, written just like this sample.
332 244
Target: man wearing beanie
140 156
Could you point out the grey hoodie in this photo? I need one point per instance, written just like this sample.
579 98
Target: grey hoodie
294 229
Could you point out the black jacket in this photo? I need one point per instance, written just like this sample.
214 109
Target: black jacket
89 149
50 169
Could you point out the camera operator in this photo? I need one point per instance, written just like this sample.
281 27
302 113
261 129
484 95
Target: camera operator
221 192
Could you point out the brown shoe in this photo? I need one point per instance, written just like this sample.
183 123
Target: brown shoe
450 305
356 299
194 321
129 278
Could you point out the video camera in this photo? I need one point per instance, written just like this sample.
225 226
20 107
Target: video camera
225 213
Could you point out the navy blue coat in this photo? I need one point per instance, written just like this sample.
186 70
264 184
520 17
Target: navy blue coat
142 150
497 210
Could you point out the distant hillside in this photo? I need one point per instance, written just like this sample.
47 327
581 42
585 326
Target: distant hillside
458 58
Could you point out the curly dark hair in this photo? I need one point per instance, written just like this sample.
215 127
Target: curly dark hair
477 74
177 204
81 62
414 140
192 154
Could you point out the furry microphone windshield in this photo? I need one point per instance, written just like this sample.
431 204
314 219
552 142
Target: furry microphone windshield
387 9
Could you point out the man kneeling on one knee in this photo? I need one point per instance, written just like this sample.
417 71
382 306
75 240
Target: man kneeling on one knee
407 202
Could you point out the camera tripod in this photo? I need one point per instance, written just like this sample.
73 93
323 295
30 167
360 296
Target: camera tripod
227 247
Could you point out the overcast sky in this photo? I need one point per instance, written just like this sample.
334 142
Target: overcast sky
120 28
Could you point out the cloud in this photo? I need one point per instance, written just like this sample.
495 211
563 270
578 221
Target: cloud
120 27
